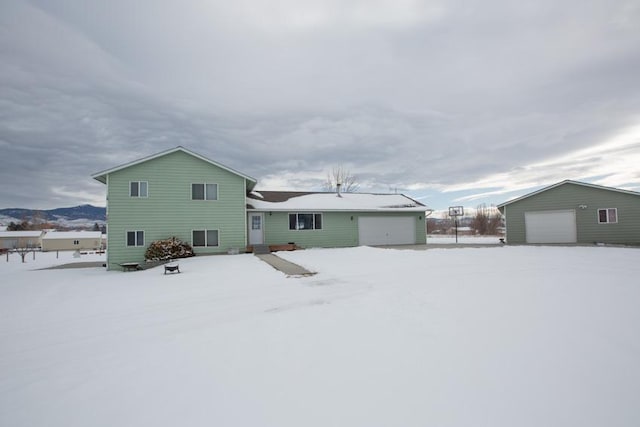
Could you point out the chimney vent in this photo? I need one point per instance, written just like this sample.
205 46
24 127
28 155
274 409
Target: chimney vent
338 185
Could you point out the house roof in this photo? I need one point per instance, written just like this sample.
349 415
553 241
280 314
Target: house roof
323 201
567 181
18 234
102 176
72 235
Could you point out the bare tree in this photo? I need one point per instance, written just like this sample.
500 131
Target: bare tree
23 250
340 175
486 221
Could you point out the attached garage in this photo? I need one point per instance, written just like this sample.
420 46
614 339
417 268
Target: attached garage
551 226
374 230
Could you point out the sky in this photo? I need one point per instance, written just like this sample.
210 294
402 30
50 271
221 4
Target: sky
449 102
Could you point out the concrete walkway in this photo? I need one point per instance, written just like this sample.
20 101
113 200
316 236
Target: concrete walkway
288 268
81 264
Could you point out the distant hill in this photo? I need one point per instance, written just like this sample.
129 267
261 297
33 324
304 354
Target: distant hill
77 216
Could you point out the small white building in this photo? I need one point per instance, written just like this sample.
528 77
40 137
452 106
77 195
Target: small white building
71 240
20 239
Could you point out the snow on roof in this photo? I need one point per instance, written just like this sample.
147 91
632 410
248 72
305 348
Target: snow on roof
331 202
17 234
72 235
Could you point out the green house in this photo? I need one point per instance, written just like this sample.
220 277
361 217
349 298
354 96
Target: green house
573 212
216 209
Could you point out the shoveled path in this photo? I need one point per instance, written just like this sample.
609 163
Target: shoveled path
288 268
81 264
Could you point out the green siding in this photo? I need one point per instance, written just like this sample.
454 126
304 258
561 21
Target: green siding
168 210
338 229
571 196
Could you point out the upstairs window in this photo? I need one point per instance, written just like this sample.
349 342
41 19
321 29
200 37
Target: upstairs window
138 188
608 216
305 221
204 191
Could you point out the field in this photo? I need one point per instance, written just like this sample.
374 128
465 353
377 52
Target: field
498 336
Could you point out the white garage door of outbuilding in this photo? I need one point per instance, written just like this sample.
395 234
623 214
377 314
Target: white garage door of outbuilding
374 230
551 226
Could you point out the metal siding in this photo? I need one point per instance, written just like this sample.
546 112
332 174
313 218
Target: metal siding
550 226
168 210
377 230
570 197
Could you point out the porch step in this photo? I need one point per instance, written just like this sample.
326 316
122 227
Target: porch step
261 249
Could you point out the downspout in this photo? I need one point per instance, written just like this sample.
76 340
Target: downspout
107 218
246 224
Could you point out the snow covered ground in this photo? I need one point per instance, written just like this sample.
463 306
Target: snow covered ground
504 336
465 240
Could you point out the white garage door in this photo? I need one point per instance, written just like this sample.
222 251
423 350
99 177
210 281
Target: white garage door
550 226
374 230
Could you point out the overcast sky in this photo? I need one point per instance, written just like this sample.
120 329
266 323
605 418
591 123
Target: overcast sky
450 102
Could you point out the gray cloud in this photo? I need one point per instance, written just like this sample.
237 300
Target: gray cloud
443 100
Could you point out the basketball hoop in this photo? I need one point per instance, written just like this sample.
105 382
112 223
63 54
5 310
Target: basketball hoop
455 212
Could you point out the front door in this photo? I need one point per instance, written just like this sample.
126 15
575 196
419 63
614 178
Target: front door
256 228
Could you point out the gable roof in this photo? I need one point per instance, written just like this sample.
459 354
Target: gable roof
21 233
102 176
329 201
56 235
567 181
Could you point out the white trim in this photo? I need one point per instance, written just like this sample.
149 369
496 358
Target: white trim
204 184
250 227
101 176
205 237
305 213
126 238
607 212
138 196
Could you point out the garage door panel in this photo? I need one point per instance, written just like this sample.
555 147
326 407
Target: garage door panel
386 230
551 226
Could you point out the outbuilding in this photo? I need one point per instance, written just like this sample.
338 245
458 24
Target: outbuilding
71 241
571 212
20 239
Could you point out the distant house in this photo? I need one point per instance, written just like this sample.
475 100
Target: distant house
573 212
215 208
20 239
71 240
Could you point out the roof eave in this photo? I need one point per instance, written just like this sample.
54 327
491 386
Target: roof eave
566 181
302 209
102 175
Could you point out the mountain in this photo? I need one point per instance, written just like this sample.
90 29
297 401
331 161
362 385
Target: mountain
77 216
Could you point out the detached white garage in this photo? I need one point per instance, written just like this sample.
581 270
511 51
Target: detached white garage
382 230
551 226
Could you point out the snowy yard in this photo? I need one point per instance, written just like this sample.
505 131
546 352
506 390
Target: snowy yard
504 336
462 239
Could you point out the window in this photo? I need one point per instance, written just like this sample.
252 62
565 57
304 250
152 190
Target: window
135 238
305 221
204 191
608 216
256 221
205 238
138 188
76 242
